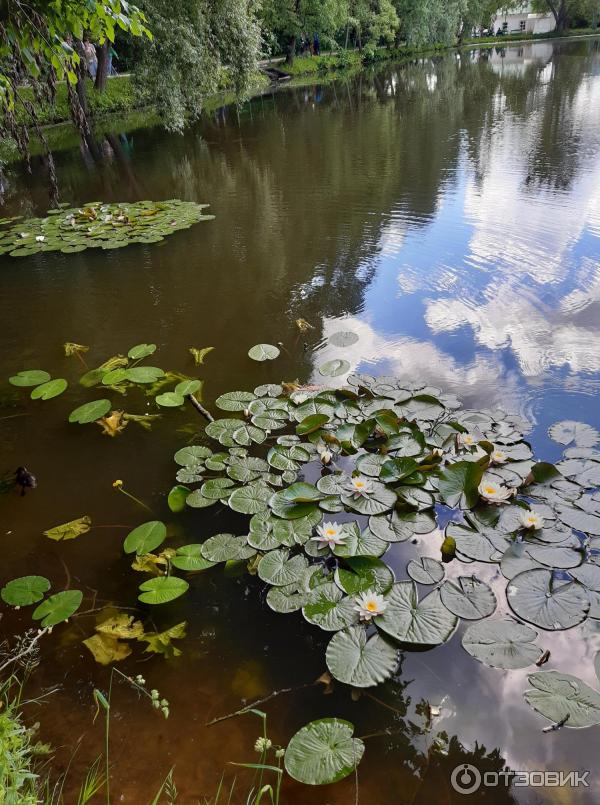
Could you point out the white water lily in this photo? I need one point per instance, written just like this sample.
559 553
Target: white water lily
531 519
498 456
330 534
369 605
360 485
466 440
40 238
493 492
325 456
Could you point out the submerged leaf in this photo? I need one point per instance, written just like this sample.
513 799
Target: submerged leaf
199 354
70 530
107 649
161 642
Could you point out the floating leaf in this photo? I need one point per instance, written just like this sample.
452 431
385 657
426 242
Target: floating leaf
334 368
162 589
25 590
189 456
343 338
49 390
458 483
145 537
250 499
538 598
563 699
408 620
170 399
226 547
144 374
329 609
501 643
234 400
141 351
323 752
58 607
568 431
189 557
70 530
278 569
468 598
358 661
90 412
263 352
425 570
311 423
188 387
29 377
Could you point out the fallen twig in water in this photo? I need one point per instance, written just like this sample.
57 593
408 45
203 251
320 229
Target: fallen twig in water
254 704
200 408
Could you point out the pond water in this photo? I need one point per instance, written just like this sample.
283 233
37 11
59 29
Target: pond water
448 212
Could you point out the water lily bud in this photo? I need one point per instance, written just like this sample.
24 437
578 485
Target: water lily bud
325 456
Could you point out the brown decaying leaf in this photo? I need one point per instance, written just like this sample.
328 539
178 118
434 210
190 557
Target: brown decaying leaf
113 424
199 354
303 325
70 530
107 649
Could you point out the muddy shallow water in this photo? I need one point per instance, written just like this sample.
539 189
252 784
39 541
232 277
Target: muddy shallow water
448 212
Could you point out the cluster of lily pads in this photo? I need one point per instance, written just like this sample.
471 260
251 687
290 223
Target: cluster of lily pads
332 478
98 225
120 374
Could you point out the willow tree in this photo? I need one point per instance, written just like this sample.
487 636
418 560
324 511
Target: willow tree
199 47
289 20
41 44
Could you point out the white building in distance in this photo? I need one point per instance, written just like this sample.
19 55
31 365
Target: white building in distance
521 19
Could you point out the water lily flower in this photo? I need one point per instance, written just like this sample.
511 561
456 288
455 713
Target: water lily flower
531 519
40 238
466 440
498 456
325 455
360 485
369 605
493 492
330 534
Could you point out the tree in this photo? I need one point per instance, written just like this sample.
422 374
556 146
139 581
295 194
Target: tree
199 47
373 21
41 44
289 20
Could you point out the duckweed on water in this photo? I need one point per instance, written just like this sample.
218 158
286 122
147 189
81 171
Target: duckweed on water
99 225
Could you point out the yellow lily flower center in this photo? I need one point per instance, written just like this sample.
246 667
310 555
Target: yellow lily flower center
371 606
331 532
490 490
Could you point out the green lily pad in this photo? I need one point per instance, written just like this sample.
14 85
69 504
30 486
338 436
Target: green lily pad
46 391
141 351
145 538
25 590
334 368
537 597
427 622
90 412
563 699
468 598
170 399
343 338
323 752
189 557
58 607
278 569
29 377
227 548
358 661
162 589
425 570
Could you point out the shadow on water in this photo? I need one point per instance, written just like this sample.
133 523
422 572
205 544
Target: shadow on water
446 211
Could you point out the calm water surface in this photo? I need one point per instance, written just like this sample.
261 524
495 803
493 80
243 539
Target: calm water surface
449 213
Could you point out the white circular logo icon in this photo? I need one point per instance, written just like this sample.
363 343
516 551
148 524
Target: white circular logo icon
465 779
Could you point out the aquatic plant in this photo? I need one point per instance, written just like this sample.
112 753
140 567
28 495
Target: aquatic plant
98 225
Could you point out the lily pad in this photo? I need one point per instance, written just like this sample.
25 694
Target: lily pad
189 557
141 351
323 752
49 390
343 338
58 607
563 699
170 399
70 530
537 597
29 377
568 431
263 352
145 538
334 368
278 569
162 589
90 412
25 590
468 598
358 661
502 643
425 570
408 620
227 548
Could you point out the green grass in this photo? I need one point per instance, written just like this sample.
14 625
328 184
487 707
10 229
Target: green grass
119 96
18 781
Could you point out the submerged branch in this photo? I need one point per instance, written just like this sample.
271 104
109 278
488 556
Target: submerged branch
254 704
200 408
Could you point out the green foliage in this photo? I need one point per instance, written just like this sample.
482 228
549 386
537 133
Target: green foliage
323 752
19 782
